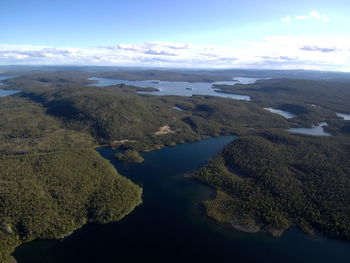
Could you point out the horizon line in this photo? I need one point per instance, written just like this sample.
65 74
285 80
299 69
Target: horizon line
167 67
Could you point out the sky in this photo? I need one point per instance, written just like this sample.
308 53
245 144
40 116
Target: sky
267 34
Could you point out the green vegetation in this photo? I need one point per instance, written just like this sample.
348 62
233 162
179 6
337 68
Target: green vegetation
311 101
329 95
52 181
25 127
129 156
190 75
117 113
273 180
167 75
50 195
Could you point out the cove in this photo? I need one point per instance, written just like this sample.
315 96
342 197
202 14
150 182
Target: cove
3 78
345 116
170 227
3 92
316 130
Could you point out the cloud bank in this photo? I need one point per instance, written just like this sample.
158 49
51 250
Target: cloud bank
312 15
279 52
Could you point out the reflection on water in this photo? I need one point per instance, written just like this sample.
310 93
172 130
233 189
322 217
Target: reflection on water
344 116
317 130
3 92
178 108
4 78
286 114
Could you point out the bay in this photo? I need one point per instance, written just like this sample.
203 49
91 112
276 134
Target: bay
169 225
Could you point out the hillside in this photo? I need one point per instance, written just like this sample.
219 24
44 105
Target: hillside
267 179
272 181
51 179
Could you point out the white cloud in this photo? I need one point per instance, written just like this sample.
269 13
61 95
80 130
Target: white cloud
287 19
155 48
315 15
280 52
301 17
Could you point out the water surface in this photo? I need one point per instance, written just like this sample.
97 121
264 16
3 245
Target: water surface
285 114
344 116
3 92
317 130
178 108
4 78
169 226
178 87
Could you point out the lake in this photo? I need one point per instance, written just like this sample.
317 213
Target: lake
177 87
285 114
3 92
169 226
317 130
4 78
344 116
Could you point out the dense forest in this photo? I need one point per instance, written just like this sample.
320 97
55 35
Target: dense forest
129 156
52 181
329 95
118 113
272 180
190 75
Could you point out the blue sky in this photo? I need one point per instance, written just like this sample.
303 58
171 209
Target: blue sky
197 33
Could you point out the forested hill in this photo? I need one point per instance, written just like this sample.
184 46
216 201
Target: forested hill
272 181
327 94
52 181
50 129
119 113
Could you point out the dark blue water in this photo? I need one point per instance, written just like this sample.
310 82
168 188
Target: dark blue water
178 88
170 227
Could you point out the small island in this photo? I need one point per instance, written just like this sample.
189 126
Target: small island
148 89
129 156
